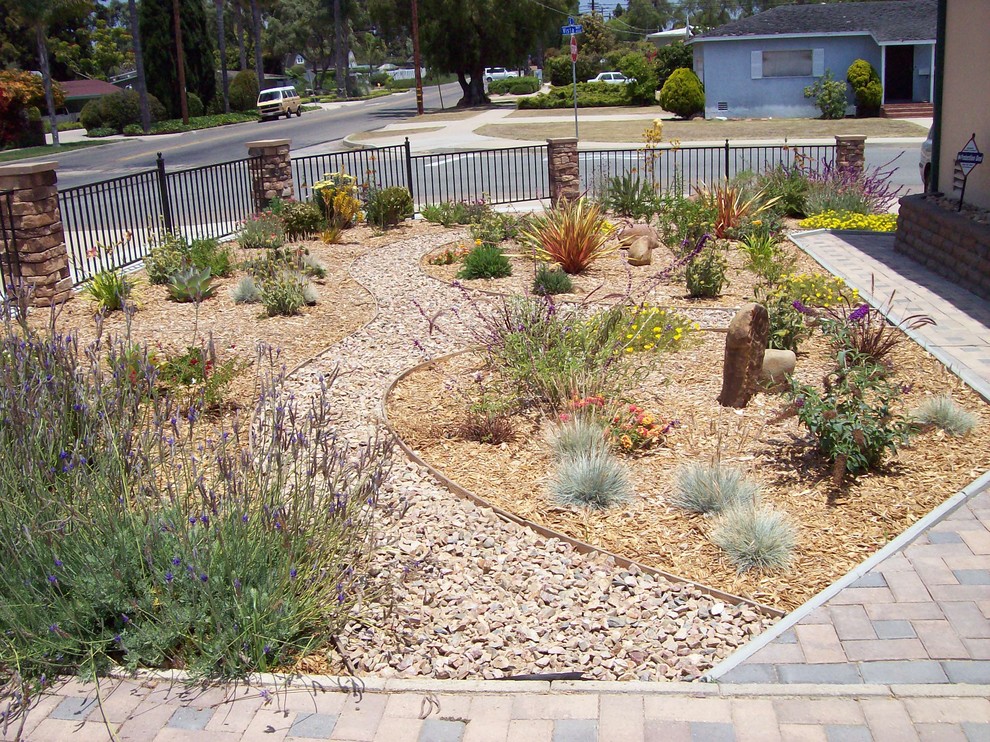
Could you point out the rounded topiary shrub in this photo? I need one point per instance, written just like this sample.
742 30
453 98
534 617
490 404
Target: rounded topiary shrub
683 94
244 91
91 115
194 105
867 87
118 111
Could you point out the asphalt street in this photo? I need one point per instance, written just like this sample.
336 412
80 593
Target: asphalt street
209 146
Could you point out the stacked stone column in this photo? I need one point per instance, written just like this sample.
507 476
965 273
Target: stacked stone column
272 176
564 170
850 152
37 258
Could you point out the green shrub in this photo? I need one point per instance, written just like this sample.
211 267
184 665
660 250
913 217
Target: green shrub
548 353
133 130
579 434
485 261
100 132
943 413
706 488
852 419
866 86
284 293
90 116
823 196
514 86
705 275
550 281
118 110
246 291
684 221
171 253
261 231
755 538
591 479
194 105
789 186
683 93
386 208
643 92
765 257
210 253
244 91
557 70
301 220
590 95
829 95
493 227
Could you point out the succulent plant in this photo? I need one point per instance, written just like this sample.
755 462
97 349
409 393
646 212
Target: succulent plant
191 284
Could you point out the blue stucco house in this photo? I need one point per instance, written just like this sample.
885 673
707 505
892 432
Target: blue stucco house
758 67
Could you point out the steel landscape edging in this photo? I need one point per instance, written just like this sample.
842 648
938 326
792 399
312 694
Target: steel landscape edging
580 546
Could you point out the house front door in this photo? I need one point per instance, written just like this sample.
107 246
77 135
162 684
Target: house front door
898 75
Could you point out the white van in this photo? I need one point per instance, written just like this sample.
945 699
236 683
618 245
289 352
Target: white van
274 102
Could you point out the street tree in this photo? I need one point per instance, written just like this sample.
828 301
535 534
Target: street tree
158 45
465 37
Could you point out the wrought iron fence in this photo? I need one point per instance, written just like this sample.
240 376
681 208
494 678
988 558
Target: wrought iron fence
685 168
9 263
380 167
112 223
496 175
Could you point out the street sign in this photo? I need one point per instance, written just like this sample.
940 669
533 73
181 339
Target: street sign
571 28
969 156
573 48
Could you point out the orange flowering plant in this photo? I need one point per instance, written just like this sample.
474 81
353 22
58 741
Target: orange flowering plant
628 427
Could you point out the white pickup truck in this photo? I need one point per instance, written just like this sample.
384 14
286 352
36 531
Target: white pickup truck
498 73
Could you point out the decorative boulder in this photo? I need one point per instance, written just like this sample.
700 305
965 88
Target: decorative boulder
777 366
629 234
641 251
745 345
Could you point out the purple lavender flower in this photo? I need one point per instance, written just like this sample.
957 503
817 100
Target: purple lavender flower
53 579
169 577
799 402
859 313
176 561
125 618
203 577
293 573
800 306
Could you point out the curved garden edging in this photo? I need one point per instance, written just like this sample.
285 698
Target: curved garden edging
578 545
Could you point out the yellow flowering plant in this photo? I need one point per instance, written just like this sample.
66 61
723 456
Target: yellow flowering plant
652 328
851 220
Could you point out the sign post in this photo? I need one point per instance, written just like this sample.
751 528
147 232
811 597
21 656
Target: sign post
573 30
968 158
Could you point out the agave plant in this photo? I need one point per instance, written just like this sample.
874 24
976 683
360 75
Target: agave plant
731 206
573 234
191 284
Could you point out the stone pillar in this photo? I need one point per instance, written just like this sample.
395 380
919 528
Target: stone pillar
850 152
38 256
564 170
271 177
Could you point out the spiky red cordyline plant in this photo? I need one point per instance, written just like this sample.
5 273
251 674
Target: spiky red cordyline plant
573 234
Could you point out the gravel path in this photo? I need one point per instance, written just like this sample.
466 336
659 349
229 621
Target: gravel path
475 596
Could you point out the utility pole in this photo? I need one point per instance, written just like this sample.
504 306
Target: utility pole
180 60
416 63
142 86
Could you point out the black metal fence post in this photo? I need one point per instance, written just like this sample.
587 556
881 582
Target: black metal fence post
409 171
726 173
163 194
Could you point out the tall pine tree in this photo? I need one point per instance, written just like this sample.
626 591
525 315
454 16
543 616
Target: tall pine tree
158 46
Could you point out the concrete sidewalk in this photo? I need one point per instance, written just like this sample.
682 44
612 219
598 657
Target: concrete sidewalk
897 650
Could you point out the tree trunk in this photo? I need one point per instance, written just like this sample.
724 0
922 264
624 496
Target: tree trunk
142 86
473 90
180 62
340 60
222 43
256 23
239 32
46 75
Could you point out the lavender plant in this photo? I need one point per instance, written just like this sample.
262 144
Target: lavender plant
133 536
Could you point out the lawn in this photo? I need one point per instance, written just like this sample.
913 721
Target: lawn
631 130
9 155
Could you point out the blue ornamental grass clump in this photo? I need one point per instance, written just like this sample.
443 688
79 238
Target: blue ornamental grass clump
135 535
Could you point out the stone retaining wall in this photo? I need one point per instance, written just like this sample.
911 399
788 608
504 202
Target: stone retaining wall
950 244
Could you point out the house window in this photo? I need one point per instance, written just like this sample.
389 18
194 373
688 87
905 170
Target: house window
790 63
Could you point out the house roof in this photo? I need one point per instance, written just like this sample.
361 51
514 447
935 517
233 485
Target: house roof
76 89
885 21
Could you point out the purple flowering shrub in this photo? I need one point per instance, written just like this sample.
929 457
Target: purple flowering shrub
135 536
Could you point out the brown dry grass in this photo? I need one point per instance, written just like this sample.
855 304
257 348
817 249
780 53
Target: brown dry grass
702 130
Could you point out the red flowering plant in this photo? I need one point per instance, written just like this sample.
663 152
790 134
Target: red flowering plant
629 428
195 378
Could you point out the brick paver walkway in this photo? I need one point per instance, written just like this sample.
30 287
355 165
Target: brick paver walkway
899 650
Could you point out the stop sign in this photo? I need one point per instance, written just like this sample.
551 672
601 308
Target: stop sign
573 48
